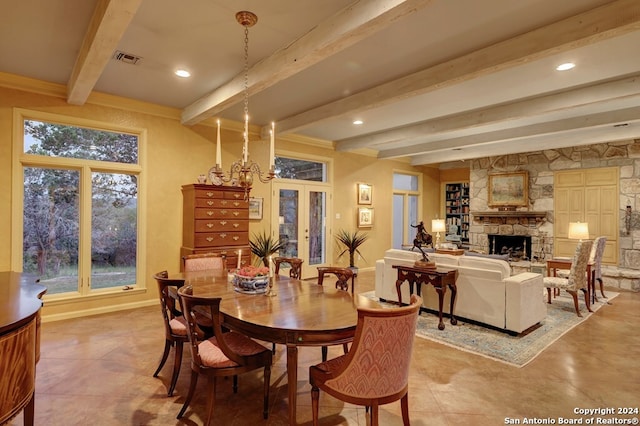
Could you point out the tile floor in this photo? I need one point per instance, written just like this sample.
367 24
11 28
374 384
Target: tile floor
98 371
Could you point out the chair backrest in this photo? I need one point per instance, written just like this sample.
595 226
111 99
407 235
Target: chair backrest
595 257
343 275
377 365
204 261
194 307
294 262
167 301
578 273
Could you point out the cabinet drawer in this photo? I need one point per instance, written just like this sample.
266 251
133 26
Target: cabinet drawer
221 203
208 193
217 225
212 239
221 213
234 195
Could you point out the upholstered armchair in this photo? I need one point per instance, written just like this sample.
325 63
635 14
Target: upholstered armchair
376 369
577 279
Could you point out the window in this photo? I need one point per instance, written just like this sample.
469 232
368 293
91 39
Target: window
80 205
291 168
406 210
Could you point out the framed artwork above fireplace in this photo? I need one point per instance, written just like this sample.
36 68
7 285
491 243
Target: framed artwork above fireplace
508 189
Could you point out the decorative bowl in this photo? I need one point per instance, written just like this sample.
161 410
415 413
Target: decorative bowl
251 285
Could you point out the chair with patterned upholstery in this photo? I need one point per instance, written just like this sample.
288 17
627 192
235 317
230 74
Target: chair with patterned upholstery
224 354
595 258
577 279
376 369
203 262
174 325
295 263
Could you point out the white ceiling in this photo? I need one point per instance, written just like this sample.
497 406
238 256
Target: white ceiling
435 81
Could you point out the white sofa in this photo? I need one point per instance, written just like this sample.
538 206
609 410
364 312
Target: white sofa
487 292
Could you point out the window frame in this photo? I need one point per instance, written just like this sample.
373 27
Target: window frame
406 193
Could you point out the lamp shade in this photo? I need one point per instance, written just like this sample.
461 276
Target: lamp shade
578 231
437 225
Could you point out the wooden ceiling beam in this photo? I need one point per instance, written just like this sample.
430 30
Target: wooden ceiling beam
108 24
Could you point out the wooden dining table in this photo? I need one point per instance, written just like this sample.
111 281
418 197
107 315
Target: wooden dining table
301 313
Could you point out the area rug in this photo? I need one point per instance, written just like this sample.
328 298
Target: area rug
500 346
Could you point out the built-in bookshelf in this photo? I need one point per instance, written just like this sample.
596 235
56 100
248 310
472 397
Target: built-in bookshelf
457 208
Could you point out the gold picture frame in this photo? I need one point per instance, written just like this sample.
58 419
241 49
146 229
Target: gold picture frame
255 207
365 217
365 194
509 189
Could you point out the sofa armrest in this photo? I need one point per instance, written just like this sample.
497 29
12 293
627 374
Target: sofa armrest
524 298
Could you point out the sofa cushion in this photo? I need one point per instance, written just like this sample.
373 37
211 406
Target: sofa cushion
485 263
504 257
443 259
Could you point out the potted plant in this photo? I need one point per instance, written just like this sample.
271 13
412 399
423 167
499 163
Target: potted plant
351 241
263 246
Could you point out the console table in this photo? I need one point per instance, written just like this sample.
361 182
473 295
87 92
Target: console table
439 278
19 344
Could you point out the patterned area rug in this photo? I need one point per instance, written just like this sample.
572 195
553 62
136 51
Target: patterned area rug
517 350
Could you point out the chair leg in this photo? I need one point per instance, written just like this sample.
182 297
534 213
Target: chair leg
325 351
586 299
374 414
235 383
167 347
211 397
549 295
315 396
192 388
177 362
267 386
601 287
345 348
404 405
273 349
574 294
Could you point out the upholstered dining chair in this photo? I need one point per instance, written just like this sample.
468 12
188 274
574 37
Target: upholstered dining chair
577 279
343 276
376 369
595 258
294 262
174 325
224 354
203 261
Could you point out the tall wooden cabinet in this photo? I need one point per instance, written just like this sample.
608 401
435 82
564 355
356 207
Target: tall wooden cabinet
216 220
457 208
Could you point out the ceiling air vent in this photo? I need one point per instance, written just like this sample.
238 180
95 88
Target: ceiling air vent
127 58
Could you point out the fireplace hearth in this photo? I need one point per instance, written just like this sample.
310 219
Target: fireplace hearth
517 247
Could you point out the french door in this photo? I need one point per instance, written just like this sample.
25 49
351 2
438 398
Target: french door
301 211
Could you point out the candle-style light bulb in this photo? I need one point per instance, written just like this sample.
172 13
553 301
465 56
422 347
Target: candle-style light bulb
218 150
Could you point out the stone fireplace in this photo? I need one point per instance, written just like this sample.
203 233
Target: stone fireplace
518 247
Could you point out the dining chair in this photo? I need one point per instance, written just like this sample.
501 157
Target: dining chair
577 279
296 265
595 258
223 355
203 261
174 325
343 276
376 369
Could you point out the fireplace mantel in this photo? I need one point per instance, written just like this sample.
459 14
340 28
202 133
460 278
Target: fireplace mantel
538 216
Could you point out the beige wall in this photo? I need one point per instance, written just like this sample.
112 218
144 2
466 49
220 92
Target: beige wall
176 154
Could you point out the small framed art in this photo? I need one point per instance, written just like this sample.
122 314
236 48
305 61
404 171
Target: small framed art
255 207
365 217
365 195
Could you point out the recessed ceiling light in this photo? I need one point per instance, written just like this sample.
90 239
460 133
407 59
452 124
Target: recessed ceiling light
358 122
565 66
183 73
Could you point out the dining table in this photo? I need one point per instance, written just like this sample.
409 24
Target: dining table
298 313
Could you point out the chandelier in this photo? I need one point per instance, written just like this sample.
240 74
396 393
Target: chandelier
243 170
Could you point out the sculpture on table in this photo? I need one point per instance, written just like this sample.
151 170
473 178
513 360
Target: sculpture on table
423 238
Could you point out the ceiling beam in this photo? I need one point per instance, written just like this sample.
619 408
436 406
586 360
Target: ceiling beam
501 114
613 19
609 118
349 26
108 24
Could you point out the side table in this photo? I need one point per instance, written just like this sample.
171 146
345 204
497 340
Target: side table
439 278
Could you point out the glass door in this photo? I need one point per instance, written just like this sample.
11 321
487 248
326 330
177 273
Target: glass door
301 211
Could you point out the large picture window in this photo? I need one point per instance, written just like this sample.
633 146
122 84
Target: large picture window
406 201
80 206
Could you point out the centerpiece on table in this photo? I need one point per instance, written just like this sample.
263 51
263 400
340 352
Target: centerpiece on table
251 279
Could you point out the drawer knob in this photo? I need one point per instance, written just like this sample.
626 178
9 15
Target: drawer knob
223 235
223 202
236 213
223 222
236 238
209 225
235 225
209 213
209 239
223 212
210 202
236 203
209 194
236 195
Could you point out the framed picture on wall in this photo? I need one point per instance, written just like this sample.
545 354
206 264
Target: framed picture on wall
508 189
255 207
365 217
365 195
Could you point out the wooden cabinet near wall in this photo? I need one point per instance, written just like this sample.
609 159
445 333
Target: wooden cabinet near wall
216 220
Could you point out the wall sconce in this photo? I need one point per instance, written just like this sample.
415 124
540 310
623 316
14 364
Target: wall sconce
578 231
627 217
437 226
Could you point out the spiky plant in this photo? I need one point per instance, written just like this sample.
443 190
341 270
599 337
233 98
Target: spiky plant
351 241
263 246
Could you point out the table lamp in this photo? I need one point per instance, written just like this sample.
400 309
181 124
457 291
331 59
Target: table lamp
437 226
578 231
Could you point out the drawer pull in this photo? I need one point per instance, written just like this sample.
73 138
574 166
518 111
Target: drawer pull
235 225
236 195
223 212
236 213
210 194
236 203
223 235
209 225
223 222
223 252
210 202
236 238
209 213
209 239
223 202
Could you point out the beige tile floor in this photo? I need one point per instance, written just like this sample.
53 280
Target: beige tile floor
98 371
